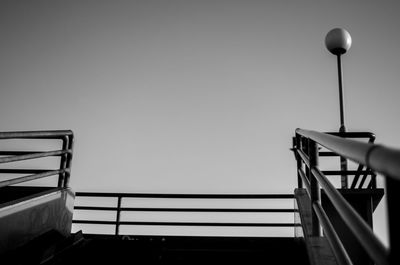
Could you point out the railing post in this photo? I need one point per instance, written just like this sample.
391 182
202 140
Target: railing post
315 189
118 216
297 146
63 162
70 147
393 198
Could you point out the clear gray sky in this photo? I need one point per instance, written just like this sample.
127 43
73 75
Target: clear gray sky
194 96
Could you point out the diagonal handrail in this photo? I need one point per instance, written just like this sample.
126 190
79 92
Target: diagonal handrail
379 158
65 153
376 158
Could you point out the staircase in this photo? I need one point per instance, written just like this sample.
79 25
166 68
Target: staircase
331 226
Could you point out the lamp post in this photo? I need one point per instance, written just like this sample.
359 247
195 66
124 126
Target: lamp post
338 42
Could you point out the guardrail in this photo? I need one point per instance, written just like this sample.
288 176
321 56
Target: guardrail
376 158
8 157
119 208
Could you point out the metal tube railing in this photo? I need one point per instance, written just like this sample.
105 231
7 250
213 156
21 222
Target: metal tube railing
66 136
306 183
186 196
379 158
315 195
14 181
364 234
33 156
333 238
56 134
375 158
119 208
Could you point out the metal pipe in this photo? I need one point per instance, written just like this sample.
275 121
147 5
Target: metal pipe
185 223
222 210
342 129
33 156
304 157
305 181
296 145
23 171
315 189
337 247
56 134
118 216
393 197
69 160
9 182
63 161
361 230
376 157
341 96
186 196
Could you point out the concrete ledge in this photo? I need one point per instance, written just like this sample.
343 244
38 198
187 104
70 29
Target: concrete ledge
318 248
27 218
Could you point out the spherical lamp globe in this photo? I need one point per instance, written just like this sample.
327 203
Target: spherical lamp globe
338 41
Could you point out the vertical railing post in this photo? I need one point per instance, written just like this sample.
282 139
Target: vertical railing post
63 162
304 146
70 147
343 161
393 198
297 146
118 216
315 189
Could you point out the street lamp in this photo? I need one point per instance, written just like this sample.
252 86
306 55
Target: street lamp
338 42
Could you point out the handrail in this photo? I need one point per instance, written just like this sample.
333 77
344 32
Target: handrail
118 209
8 156
54 134
334 240
375 157
362 231
186 195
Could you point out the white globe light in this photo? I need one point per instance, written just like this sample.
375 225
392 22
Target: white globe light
338 41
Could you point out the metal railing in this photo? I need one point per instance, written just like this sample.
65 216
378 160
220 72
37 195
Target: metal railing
65 154
375 157
119 208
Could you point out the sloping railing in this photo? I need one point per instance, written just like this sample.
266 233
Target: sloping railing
383 160
12 157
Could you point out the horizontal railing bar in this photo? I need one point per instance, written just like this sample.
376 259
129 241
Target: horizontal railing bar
185 196
353 134
379 158
23 171
36 134
33 156
95 208
94 222
5 183
305 181
324 153
304 157
346 172
15 153
357 225
142 209
185 223
333 238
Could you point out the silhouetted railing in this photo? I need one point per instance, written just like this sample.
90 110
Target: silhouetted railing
8 157
375 157
118 209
